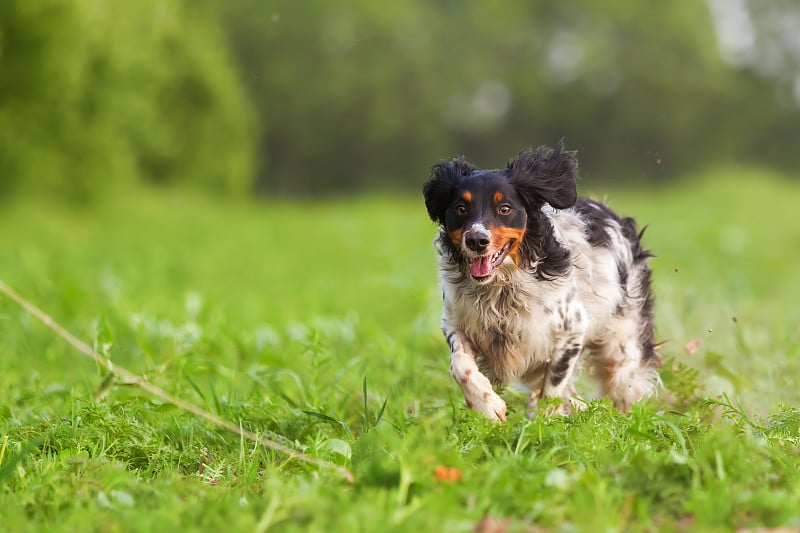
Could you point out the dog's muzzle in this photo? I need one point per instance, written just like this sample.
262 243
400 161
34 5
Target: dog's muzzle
477 240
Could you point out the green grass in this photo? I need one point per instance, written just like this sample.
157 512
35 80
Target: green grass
279 317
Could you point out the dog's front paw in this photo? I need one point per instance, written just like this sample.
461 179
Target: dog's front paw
490 404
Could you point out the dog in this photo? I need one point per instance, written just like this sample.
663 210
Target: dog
532 276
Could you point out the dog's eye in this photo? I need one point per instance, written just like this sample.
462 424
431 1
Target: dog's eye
504 209
461 210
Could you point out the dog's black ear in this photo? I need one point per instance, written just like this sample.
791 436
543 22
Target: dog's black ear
438 190
546 175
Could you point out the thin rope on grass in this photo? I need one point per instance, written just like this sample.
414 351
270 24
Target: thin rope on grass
130 377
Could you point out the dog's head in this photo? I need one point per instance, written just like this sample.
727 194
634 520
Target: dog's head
486 214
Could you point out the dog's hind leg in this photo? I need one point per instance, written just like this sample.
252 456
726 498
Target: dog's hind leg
625 366
623 357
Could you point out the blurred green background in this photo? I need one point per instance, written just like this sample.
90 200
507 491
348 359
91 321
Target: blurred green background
277 98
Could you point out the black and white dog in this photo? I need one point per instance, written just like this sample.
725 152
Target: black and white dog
532 275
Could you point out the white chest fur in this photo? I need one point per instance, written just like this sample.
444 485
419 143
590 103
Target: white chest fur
514 323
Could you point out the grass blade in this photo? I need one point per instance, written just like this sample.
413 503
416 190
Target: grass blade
128 376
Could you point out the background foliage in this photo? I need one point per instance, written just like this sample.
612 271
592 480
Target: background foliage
98 94
373 94
317 97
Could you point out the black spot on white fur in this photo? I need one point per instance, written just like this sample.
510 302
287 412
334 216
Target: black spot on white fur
563 364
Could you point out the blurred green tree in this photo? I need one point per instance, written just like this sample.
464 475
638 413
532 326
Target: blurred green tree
98 94
370 94
319 97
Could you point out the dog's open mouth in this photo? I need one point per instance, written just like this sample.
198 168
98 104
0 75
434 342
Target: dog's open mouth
484 267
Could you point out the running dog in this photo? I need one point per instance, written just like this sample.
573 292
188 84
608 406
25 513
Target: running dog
533 276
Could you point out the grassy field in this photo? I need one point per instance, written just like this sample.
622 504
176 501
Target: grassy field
316 324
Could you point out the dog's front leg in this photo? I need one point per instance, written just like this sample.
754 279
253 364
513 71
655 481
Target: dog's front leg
569 330
558 378
476 387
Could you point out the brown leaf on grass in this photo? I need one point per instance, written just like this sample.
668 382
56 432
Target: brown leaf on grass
692 346
489 524
447 475
685 523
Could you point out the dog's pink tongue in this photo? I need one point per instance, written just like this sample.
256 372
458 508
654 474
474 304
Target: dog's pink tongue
481 267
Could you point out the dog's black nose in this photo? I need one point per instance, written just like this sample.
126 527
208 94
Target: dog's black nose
476 241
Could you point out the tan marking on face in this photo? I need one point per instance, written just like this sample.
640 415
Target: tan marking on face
502 235
467 196
456 236
498 197
465 378
515 255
